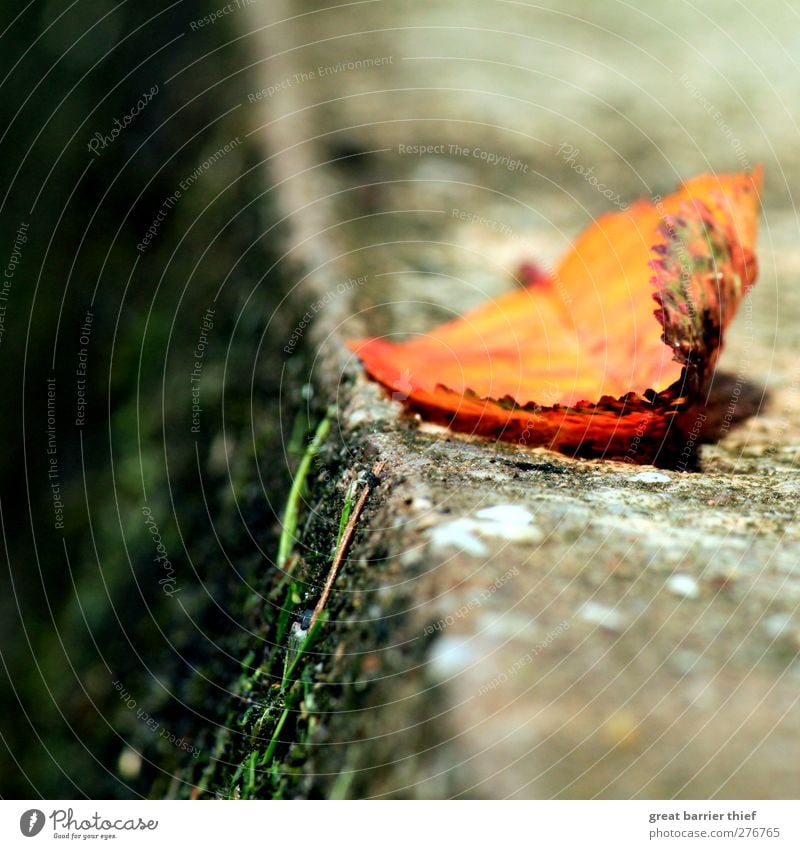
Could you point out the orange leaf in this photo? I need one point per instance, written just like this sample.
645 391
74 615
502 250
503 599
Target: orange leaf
576 361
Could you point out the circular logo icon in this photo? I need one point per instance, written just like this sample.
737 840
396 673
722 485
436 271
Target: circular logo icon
31 822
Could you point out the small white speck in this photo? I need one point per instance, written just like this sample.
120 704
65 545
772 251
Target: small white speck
483 475
512 533
651 477
687 662
777 625
599 614
683 585
508 513
460 534
450 655
129 764
508 521
359 417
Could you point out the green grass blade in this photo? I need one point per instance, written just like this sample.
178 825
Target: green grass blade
292 511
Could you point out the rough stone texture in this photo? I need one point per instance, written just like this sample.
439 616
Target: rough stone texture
639 635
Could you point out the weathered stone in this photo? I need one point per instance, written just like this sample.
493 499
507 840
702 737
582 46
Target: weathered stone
638 636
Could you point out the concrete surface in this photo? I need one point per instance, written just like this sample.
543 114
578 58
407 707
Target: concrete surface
604 630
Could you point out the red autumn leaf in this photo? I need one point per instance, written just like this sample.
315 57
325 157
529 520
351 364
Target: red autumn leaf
577 362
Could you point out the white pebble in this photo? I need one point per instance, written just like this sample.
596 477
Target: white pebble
359 417
599 614
459 534
683 585
512 533
508 521
651 477
777 625
511 514
450 655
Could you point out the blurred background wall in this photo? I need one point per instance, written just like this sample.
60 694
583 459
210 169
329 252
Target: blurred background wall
111 110
137 222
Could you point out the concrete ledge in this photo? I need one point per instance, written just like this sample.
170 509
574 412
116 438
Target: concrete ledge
511 623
